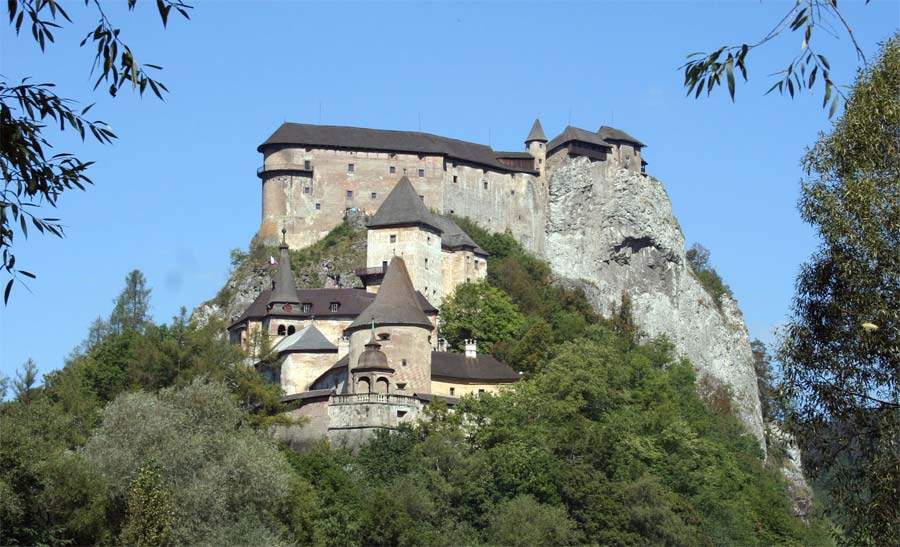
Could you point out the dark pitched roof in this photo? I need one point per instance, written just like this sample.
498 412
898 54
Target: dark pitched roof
307 340
577 134
306 395
396 302
514 155
351 302
457 366
536 133
453 237
613 134
285 288
401 207
382 139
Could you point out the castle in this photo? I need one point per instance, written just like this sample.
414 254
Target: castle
312 174
352 361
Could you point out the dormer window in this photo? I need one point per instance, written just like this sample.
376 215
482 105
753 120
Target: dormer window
384 336
282 330
306 307
291 330
334 306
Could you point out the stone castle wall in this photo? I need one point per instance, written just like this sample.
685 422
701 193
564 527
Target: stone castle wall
408 351
308 190
419 247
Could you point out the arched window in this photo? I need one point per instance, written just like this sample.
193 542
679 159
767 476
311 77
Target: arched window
363 386
382 385
281 330
291 329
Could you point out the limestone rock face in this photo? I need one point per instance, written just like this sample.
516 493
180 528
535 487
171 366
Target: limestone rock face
613 230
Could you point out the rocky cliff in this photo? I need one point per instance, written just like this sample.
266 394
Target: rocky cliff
613 232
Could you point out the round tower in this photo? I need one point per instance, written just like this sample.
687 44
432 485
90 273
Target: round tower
372 373
536 144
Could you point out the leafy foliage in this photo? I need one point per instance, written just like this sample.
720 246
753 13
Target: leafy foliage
706 71
33 178
698 258
841 348
481 312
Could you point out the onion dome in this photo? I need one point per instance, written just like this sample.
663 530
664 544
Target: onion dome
372 358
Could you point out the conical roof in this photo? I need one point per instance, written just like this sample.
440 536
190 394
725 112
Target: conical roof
402 206
372 358
307 340
536 133
396 302
285 291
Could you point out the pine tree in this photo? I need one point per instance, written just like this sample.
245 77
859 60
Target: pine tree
132 309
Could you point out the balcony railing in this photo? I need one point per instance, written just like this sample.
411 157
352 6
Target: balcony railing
377 270
284 168
377 398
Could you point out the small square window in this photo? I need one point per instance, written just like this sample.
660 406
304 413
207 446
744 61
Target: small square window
421 172
452 391
306 189
318 206
350 167
374 195
306 307
484 183
481 392
393 238
455 178
403 362
392 170
334 306
349 194
384 264
307 165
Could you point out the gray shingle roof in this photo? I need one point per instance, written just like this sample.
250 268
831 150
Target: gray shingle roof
613 134
285 287
307 340
577 134
351 302
396 302
402 207
457 366
536 133
332 136
453 237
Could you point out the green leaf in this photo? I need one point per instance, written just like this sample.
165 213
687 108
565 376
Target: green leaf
6 292
729 70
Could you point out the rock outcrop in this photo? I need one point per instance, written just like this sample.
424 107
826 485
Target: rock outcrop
614 231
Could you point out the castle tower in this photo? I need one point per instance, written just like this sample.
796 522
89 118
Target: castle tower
372 373
284 292
404 227
399 325
536 144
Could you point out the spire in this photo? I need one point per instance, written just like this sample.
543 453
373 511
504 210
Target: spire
285 290
403 206
396 302
536 133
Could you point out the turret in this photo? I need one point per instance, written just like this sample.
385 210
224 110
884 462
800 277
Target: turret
372 373
536 144
284 297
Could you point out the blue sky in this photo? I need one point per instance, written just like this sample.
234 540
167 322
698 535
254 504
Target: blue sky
178 189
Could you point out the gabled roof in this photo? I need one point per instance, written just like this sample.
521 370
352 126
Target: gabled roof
351 302
459 367
396 302
307 340
577 134
536 133
285 288
613 134
331 136
453 237
403 207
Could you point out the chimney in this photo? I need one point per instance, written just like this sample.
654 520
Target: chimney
471 348
343 346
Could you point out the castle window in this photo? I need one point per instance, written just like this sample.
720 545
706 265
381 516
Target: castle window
306 189
452 391
350 167
291 330
404 170
484 183
307 165
512 192
392 169
403 362
426 263
349 194
334 306
422 197
318 206
393 238
281 330
306 307
421 172
374 195
384 336
383 265
455 178
481 392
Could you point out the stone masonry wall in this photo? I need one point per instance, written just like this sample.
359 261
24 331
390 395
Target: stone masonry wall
420 248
